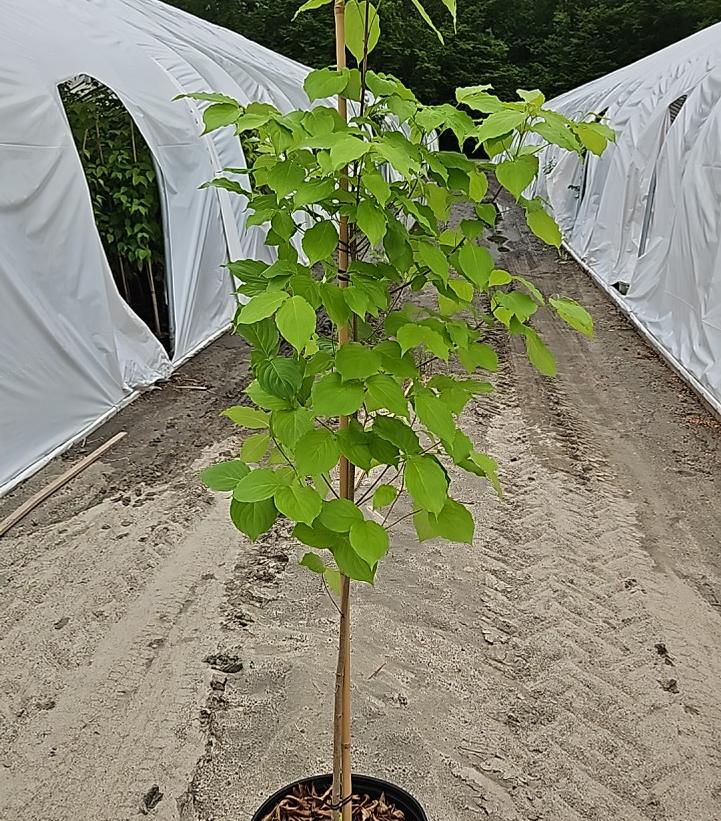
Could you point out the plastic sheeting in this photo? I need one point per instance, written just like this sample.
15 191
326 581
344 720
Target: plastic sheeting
71 350
647 213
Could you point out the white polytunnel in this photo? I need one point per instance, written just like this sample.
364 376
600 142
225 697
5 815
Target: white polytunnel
645 218
71 349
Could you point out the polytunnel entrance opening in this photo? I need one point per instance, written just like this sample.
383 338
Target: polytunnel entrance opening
672 113
126 196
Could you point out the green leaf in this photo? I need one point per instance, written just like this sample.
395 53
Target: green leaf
354 444
372 221
348 149
384 496
384 391
320 241
355 361
538 354
335 304
432 256
422 524
258 485
255 447
324 82
253 518
225 475
210 97
316 452
462 289
591 138
542 224
313 191
350 563
531 288
396 432
261 306
517 174
289 425
499 277
478 98
426 482
339 515
355 28
369 540
478 355
298 502
219 115
357 300
451 6
556 132
482 464
411 335
285 176
333 580
459 449
313 562
453 523
377 186
534 98
486 211
333 397
434 414
396 245
499 123
296 322
280 376
477 186
247 417
573 314
316 535
427 20
311 4
332 577
382 451
266 400
519 304
396 149
393 361
476 264
262 335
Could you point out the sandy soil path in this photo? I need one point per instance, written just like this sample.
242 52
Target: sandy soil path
565 668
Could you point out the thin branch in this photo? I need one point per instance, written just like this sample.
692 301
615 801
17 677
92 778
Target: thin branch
330 486
330 595
406 516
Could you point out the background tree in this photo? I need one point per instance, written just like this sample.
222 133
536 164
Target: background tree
553 44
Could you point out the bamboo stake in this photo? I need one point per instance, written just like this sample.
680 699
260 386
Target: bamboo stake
56 484
154 298
126 291
345 644
342 781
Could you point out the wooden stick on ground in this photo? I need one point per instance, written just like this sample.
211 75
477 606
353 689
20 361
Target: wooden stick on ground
56 484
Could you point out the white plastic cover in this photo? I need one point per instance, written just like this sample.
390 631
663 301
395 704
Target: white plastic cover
71 350
648 212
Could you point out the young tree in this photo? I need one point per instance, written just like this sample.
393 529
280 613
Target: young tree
357 203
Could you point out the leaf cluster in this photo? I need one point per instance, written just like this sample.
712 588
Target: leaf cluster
373 400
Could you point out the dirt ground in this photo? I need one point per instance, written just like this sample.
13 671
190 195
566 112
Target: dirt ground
565 668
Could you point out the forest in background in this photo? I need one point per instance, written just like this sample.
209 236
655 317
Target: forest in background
553 45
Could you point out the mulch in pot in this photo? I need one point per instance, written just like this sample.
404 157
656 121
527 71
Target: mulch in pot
305 803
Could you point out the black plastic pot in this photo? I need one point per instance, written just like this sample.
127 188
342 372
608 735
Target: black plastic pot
362 784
